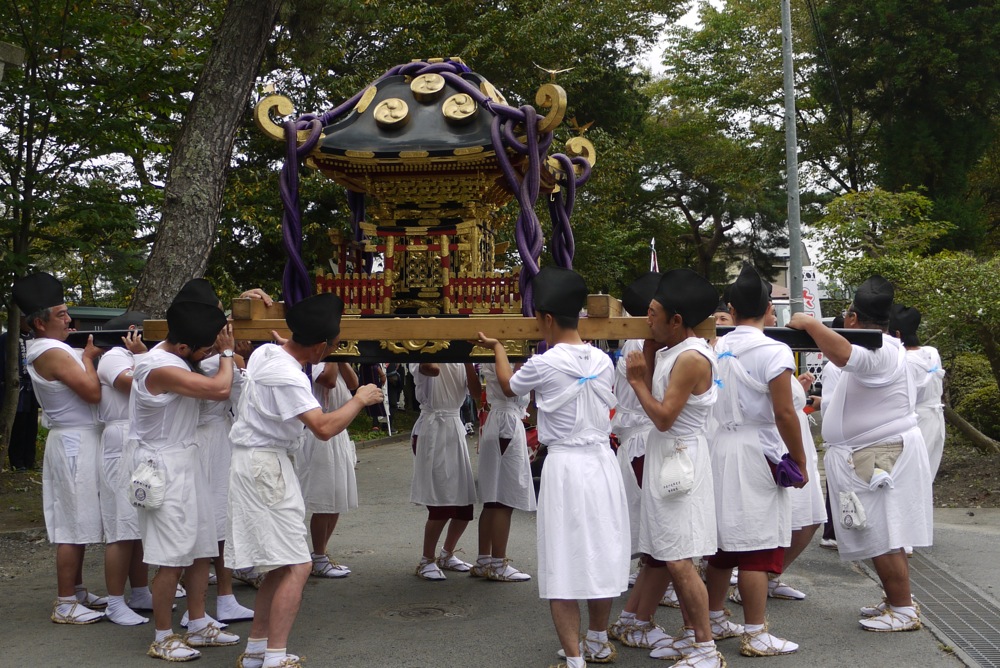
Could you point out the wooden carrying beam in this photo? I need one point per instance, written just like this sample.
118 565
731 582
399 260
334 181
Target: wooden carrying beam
254 321
374 328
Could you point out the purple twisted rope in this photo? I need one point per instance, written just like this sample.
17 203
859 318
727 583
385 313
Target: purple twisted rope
295 282
561 209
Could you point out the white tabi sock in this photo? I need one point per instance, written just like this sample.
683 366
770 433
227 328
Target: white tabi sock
141 591
575 662
229 608
256 645
160 635
716 614
274 657
626 615
597 636
253 657
196 625
485 559
119 613
319 558
753 628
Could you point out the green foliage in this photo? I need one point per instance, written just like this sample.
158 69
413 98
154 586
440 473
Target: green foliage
890 234
928 74
968 373
981 407
862 229
85 127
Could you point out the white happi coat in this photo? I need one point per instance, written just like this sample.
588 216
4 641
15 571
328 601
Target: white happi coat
164 427
808 507
442 469
266 528
873 403
215 419
631 425
71 464
326 468
121 522
504 478
583 540
752 510
924 364
683 526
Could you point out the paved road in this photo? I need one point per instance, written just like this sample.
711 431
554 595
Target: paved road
382 615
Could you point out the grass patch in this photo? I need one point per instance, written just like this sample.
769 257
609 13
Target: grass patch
361 428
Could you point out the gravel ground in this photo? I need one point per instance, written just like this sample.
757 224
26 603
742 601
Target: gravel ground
26 553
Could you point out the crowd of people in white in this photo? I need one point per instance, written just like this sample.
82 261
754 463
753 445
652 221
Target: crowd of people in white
197 452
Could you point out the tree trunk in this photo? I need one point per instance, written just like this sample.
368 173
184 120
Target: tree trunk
196 176
979 440
11 380
990 349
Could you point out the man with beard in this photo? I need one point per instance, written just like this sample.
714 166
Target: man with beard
68 390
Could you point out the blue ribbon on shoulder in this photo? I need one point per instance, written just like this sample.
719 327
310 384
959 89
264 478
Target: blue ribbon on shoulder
583 380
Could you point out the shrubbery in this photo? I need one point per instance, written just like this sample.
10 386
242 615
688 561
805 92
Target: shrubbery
974 393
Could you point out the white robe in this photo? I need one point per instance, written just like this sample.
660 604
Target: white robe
504 478
72 461
752 510
215 419
326 468
266 527
873 403
165 426
121 521
442 469
683 526
808 506
928 378
631 425
582 528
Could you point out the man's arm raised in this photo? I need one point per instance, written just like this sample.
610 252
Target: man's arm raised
195 385
836 348
60 365
503 370
327 425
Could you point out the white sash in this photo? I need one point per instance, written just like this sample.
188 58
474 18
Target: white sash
731 374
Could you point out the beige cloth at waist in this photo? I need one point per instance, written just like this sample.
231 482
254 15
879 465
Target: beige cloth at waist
881 455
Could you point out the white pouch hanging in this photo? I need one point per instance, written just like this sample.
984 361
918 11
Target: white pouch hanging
676 474
147 486
852 513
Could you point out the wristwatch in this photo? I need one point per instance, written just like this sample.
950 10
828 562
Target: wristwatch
226 353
